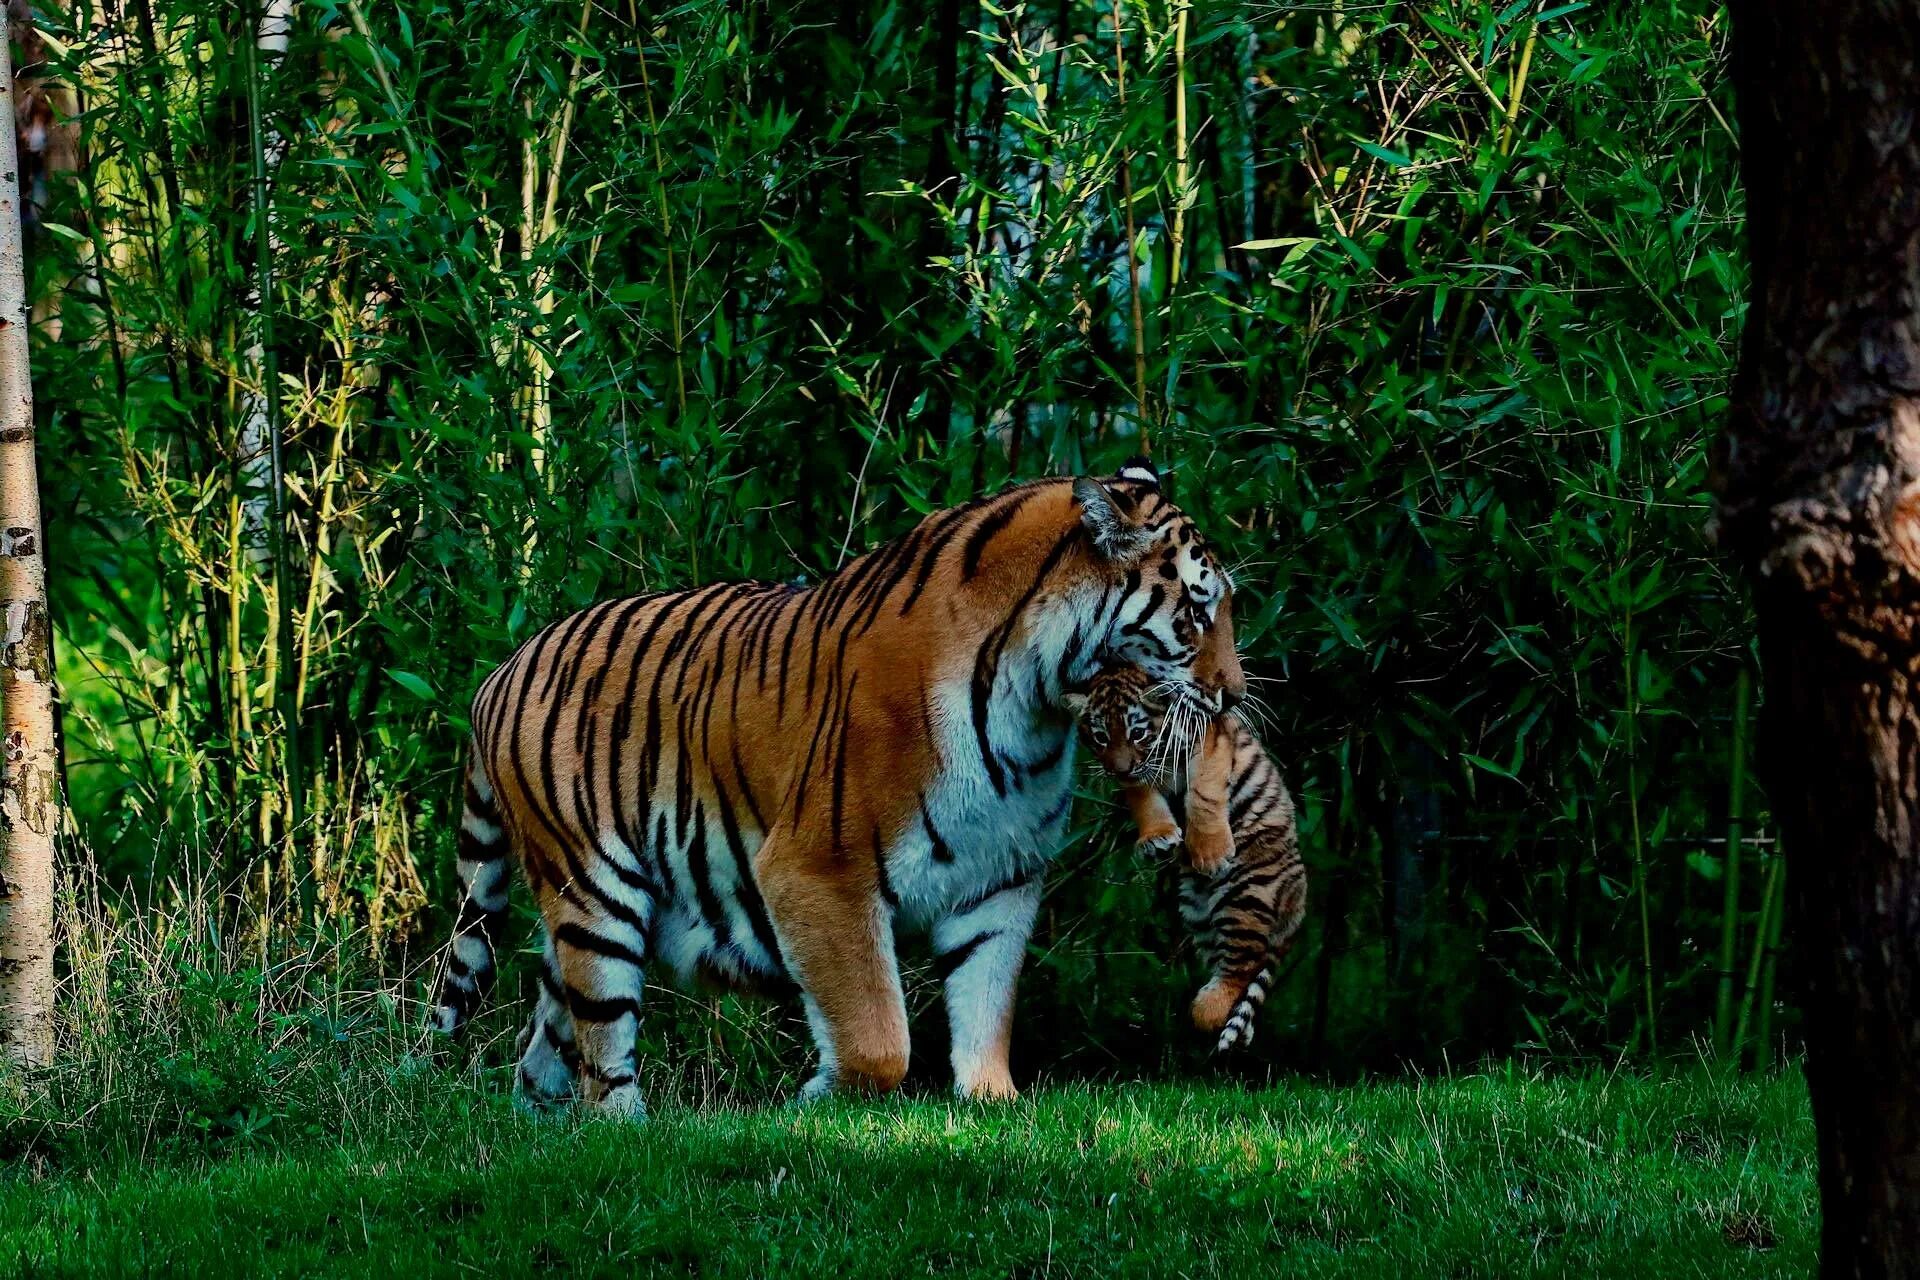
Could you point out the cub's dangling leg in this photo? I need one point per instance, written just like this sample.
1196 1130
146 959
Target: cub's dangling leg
1209 820
1154 826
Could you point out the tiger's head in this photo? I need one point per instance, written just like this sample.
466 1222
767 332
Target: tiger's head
1117 721
1169 607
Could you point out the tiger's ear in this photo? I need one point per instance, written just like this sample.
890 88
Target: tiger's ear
1076 704
1140 470
1115 536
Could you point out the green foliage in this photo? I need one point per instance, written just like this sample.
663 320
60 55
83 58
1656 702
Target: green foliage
573 300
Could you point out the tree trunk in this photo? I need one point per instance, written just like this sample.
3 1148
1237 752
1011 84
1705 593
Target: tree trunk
29 765
1819 478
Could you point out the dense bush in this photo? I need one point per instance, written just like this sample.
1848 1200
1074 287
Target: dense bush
1435 315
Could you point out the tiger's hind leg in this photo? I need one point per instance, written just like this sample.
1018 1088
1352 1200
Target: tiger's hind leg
549 1058
601 951
468 972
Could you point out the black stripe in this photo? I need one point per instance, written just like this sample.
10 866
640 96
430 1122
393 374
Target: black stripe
660 847
609 1079
746 788
746 890
813 747
696 644
700 871
476 919
781 680
937 528
947 963
581 938
986 665
941 850
582 648
996 519
867 609
549 736
579 882
682 777
747 623
843 732
623 716
550 981
535 797
586 1008
1018 880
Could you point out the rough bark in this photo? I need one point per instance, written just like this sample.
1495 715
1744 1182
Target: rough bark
29 765
1819 478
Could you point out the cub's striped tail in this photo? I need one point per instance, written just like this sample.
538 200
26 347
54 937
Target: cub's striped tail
469 970
1238 1029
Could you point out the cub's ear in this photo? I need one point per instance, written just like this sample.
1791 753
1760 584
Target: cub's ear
1076 704
1115 536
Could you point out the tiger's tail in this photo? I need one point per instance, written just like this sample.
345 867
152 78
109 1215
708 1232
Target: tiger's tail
468 972
1238 1028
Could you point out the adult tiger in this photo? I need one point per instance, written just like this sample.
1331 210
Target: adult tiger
757 783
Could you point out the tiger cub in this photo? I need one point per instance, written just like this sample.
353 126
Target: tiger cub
1243 888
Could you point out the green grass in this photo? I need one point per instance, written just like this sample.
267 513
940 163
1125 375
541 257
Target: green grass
1496 1175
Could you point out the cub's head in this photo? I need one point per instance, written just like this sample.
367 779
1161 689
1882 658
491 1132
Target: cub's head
1169 604
1116 721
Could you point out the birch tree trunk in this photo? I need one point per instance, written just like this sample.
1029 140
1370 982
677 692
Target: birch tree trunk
1819 479
258 421
29 769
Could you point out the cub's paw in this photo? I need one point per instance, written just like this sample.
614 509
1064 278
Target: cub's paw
1208 852
1152 844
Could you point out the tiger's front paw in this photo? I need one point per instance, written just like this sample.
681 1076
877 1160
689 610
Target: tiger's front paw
818 1087
1152 844
988 1087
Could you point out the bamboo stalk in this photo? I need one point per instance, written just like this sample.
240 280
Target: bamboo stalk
1133 262
540 383
675 305
1519 83
1768 925
1639 852
1730 875
30 801
1763 1010
286 701
1182 175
